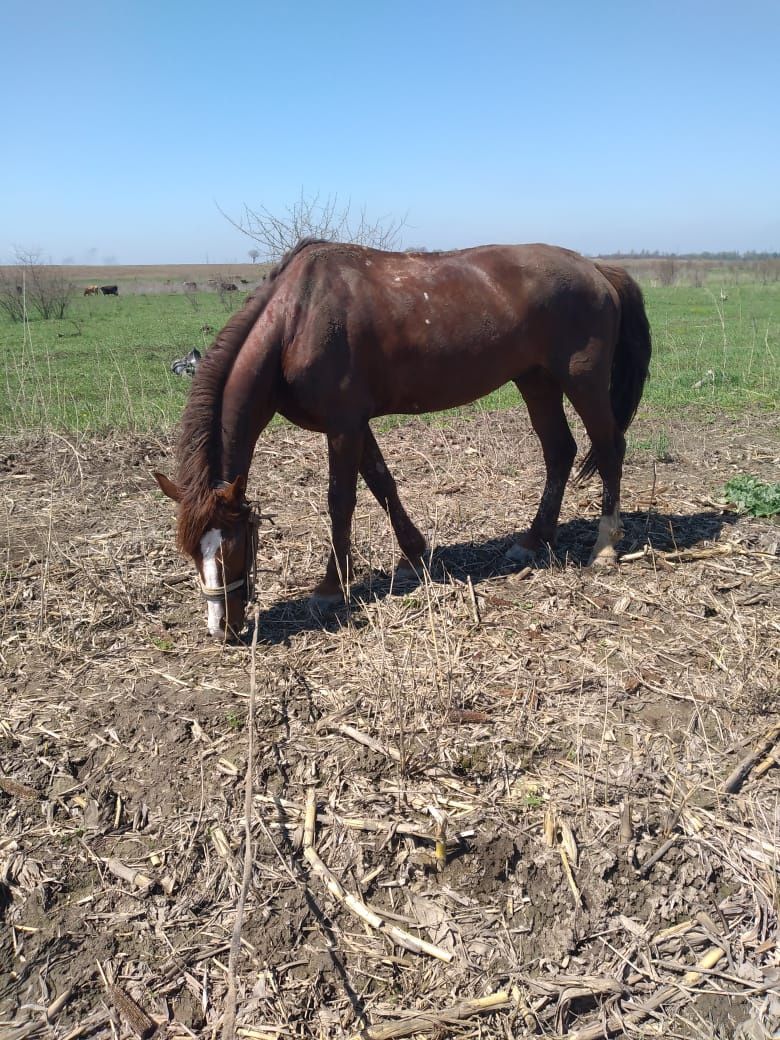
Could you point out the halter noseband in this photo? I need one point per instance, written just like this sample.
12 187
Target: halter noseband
218 593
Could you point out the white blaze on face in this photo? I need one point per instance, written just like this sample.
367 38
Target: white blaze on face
210 545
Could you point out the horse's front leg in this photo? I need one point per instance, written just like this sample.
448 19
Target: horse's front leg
381 484
344 454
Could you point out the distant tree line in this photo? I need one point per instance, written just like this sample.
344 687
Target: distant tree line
725 254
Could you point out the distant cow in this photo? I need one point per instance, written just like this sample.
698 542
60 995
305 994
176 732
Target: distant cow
190 286
109 290
186 366
228 287
92 290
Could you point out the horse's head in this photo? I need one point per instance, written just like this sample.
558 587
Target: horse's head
220 536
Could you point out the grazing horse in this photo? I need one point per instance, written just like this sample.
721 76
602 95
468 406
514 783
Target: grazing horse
92 290
339 334
109 290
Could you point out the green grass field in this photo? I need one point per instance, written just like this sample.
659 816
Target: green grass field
108 364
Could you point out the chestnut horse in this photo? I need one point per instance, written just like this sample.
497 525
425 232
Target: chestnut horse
339 334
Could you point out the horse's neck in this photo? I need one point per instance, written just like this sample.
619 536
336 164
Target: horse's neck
249 400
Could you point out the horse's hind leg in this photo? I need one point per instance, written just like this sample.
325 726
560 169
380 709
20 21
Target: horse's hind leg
382 486
544 399
344 454
609 448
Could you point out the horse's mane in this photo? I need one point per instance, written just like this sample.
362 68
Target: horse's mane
200 447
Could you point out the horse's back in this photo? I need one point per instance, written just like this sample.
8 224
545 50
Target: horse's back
410 332
480 279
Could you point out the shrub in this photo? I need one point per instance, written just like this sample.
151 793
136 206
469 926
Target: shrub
30 287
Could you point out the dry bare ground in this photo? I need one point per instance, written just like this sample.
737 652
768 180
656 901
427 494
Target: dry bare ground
519 819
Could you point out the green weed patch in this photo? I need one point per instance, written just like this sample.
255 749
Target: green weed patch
754 496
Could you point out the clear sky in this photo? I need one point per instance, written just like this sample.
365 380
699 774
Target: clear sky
602 125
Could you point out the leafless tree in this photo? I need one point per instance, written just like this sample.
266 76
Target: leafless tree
32 287
316 217
12 299
225 286
767 271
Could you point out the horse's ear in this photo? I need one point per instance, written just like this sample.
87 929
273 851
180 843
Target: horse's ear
233 494
168 487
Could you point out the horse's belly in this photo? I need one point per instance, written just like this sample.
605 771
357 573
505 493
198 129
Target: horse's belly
455 381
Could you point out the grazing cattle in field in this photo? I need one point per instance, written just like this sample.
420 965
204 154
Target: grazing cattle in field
91 290
109 290
228 287
190 286
186 366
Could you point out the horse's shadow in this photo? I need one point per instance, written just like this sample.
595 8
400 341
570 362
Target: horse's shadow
486 560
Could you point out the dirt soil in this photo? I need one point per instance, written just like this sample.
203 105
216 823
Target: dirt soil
523 769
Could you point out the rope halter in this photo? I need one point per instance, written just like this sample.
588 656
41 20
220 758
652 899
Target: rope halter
218 592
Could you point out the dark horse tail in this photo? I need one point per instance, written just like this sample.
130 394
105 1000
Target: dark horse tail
631 363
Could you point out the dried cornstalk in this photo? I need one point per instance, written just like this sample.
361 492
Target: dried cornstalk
626 825
367 741
130 874
570 876
440 819
367 914
550 827
569 842
58 1003
17 790
737 776
690 555
135 1016
355 905
363 823
649 863
474 602
436 1021
617 1023
310 818
772 759
253 1033
221 843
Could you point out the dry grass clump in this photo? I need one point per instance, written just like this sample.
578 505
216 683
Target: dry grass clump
493 803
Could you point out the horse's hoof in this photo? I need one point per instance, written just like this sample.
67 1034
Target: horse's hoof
605 557
323 601
518 553
408 571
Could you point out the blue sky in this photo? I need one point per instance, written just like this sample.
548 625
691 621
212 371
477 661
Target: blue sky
596 125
